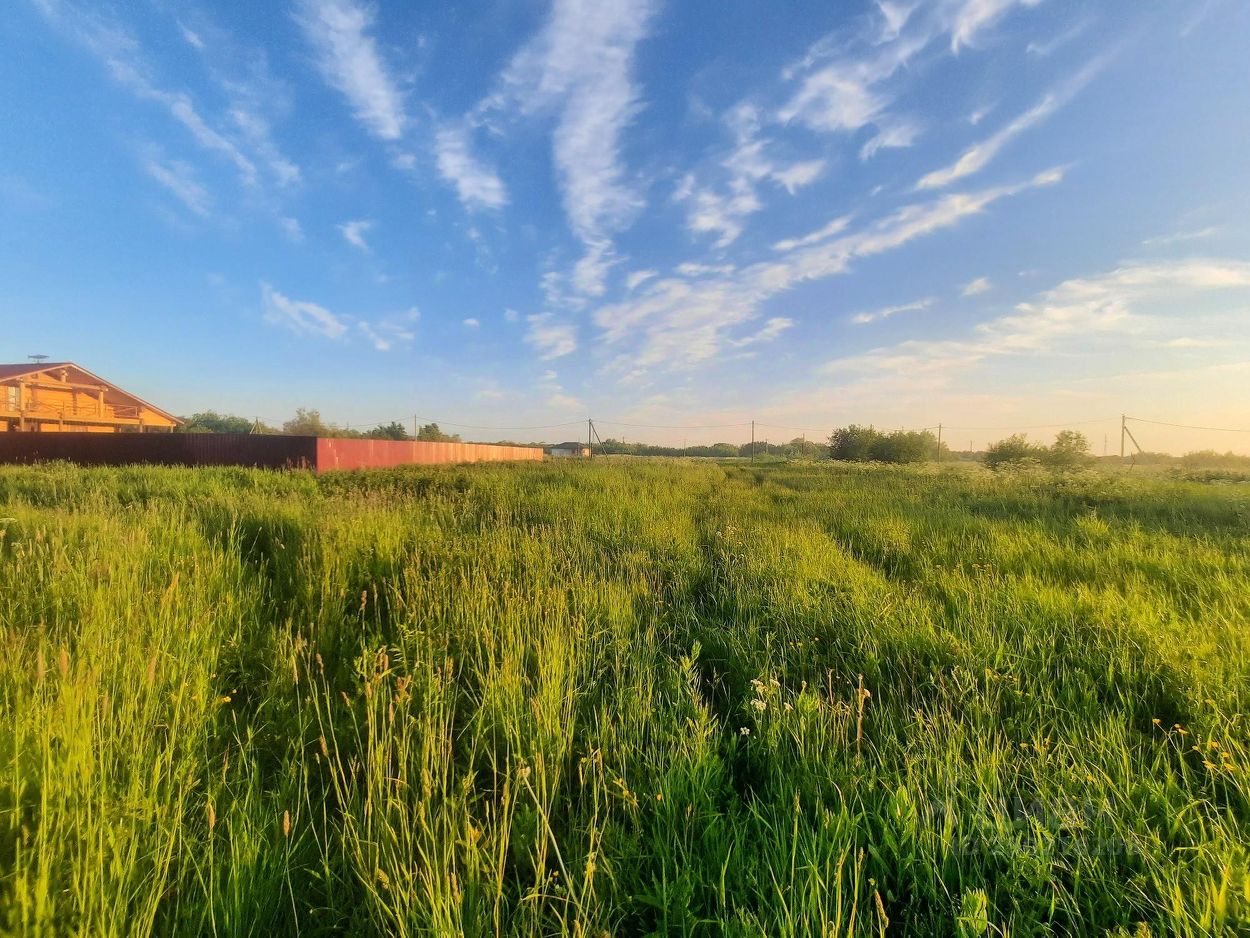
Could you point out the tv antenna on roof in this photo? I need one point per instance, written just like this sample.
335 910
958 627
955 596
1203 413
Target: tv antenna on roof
38 359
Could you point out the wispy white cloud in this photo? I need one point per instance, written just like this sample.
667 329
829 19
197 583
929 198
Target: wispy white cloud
377 339
511 315
354 233
711 212
292 228
19 193
894 17
1198 13
894 135
824 233
581 66
976 287
967 18
977 156
771 330
567 402
477 184
183 110
1080 310
845 80
191 37
837 98
391 331
886 312
244 140
348 57
688 318
638 278
123 56
256 130
980 114
255 97
550 337
1043 48
795 176
306 318
1189 342
179 178
721 208
1180 237
1138 280
471 323
300 316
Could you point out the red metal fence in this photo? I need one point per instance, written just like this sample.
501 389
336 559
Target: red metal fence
244 449
336 453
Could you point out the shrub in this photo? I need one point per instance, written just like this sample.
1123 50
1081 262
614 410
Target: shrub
1069 451
865 444
853 443
1016 450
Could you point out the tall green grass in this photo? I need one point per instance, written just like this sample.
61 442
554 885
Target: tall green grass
622 698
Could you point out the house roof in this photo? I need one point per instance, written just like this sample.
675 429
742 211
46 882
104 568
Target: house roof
30 368
8 372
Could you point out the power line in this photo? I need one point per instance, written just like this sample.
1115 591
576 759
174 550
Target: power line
779 426
1188 426
775 426
662 426
474 426
1036 426
369 423
446 423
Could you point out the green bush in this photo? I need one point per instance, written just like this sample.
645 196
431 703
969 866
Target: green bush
867 444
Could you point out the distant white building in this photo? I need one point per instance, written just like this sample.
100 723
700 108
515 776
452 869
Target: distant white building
569 451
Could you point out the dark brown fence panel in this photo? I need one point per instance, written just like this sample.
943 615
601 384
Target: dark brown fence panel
162 449
365 454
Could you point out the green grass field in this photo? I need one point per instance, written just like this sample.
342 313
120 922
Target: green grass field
623 698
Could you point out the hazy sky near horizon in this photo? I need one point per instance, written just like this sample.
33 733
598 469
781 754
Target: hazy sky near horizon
993 214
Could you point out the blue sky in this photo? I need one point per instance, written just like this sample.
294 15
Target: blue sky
986 213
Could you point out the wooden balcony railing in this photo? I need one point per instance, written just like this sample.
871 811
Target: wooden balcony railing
84 410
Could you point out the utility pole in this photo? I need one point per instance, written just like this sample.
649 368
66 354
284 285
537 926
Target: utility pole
1123 430
752 441
939 453
590 428
414 426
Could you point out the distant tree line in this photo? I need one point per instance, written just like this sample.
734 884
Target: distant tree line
307 422
854 443
798 448
1198 459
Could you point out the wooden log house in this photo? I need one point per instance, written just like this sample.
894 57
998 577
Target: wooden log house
57 397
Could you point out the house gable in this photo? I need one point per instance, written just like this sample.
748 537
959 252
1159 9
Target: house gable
64 396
